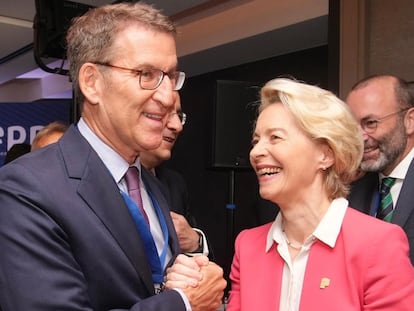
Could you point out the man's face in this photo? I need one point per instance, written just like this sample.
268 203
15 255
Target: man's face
128 118
384 147
155 157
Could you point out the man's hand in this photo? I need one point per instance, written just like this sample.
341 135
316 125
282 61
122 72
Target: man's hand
187 236
207 296
201 281
185 272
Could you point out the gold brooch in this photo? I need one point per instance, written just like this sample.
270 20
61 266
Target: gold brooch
324 283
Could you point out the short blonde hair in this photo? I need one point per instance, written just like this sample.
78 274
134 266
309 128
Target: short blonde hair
326 119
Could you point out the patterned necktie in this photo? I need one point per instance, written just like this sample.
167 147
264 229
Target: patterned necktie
386 208
132 181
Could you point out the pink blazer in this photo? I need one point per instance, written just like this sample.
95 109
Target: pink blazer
366 271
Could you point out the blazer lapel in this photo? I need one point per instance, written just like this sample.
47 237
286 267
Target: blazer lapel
272 275
364 192
100 192
322 282
265 293
156 188
405 205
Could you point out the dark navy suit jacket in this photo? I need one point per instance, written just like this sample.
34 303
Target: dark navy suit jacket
67 240
177 192
178 197
363 197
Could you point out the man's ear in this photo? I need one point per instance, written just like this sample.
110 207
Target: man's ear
90 82
409 121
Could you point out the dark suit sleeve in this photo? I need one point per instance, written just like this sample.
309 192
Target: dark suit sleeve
178 197
36 262
363 193
177 193
57 255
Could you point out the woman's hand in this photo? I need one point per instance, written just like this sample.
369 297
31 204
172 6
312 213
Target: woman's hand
185 272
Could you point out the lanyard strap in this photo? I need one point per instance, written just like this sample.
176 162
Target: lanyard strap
156 261
164 229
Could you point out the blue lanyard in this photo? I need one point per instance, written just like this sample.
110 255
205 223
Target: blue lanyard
164 229
156 261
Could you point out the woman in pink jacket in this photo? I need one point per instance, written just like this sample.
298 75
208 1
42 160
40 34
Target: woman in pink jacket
318 254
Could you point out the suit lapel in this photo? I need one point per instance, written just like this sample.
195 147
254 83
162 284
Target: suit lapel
273 271
364 191
263 294
155 187
363 195
405 204
324 285
100 192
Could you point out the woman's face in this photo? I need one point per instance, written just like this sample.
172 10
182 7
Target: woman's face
284 158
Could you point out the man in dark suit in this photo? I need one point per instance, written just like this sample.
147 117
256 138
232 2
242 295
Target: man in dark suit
384 106
192 240
71 237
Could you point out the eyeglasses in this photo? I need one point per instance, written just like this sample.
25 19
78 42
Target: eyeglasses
181 115
151 78
370 125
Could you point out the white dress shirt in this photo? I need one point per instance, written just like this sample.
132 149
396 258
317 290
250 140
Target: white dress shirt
399 172
327 232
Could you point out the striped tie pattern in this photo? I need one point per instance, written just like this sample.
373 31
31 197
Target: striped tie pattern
386 207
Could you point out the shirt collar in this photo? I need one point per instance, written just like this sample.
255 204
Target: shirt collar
401 169
327 230
113 161
275 233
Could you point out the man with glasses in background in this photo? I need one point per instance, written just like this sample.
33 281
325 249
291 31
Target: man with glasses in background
192 240
384 107
78 228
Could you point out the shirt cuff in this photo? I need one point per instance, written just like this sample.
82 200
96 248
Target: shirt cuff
202 250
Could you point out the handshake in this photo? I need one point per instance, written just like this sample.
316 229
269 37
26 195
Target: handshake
199 279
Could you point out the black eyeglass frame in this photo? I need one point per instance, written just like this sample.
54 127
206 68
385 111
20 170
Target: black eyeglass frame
370 125
181 115
177 76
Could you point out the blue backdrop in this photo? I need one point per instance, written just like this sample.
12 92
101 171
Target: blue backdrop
19 122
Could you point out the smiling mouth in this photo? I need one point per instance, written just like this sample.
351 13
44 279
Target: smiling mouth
370 152
153 116
168 139
269 171
369 149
